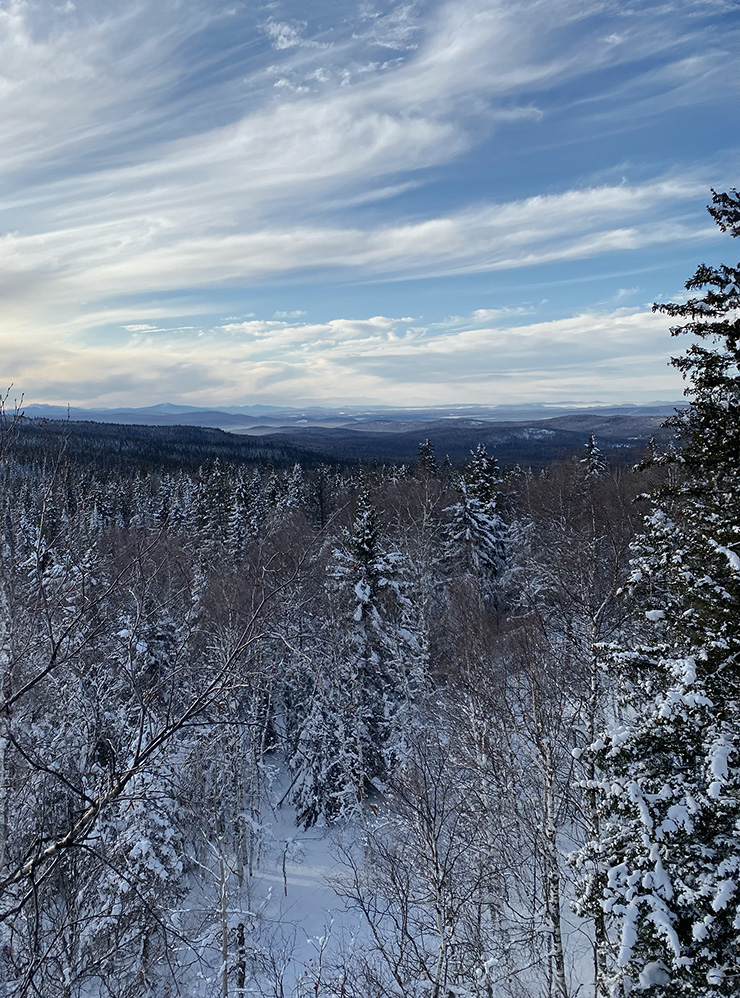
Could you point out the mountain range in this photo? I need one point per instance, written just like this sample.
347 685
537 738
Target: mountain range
530 434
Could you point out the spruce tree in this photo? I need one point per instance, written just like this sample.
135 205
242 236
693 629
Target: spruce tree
426 463
593 459
372 662
666 865
477 534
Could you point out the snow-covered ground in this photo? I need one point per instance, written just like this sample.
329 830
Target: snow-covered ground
292 923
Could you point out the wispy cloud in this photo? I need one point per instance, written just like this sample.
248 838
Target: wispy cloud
124 259
396 29
287 36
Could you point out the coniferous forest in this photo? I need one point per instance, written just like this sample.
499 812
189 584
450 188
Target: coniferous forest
501 704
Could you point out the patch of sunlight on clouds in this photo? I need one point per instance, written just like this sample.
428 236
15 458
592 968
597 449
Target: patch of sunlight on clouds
618 355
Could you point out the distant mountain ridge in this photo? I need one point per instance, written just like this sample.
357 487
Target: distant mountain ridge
532 435
174 436
260 418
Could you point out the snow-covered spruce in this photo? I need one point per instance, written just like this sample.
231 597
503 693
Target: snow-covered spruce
665 866
362 687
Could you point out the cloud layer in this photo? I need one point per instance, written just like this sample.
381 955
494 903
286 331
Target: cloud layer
483 357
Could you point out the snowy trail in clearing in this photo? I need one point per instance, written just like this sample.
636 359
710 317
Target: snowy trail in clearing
294 879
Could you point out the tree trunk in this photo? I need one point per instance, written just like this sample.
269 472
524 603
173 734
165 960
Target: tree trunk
241 959
224 924
553 876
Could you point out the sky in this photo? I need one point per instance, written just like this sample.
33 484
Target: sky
343 201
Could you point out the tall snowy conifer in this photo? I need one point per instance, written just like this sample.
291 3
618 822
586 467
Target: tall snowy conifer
350 735
426 463
476 530
666 865
595 463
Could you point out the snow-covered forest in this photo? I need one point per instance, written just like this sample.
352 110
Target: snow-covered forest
499 707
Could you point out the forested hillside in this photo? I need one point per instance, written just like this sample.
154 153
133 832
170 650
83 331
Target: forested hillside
532 443
176 643
110 447
502 701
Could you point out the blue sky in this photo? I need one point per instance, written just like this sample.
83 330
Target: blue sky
400 203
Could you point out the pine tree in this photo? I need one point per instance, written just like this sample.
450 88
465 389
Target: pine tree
666 865
593 459
426 463
295 488
213 500
476 529
372 660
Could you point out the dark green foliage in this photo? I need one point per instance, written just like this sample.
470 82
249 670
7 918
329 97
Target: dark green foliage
711 424
113 447
426 463
665 866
